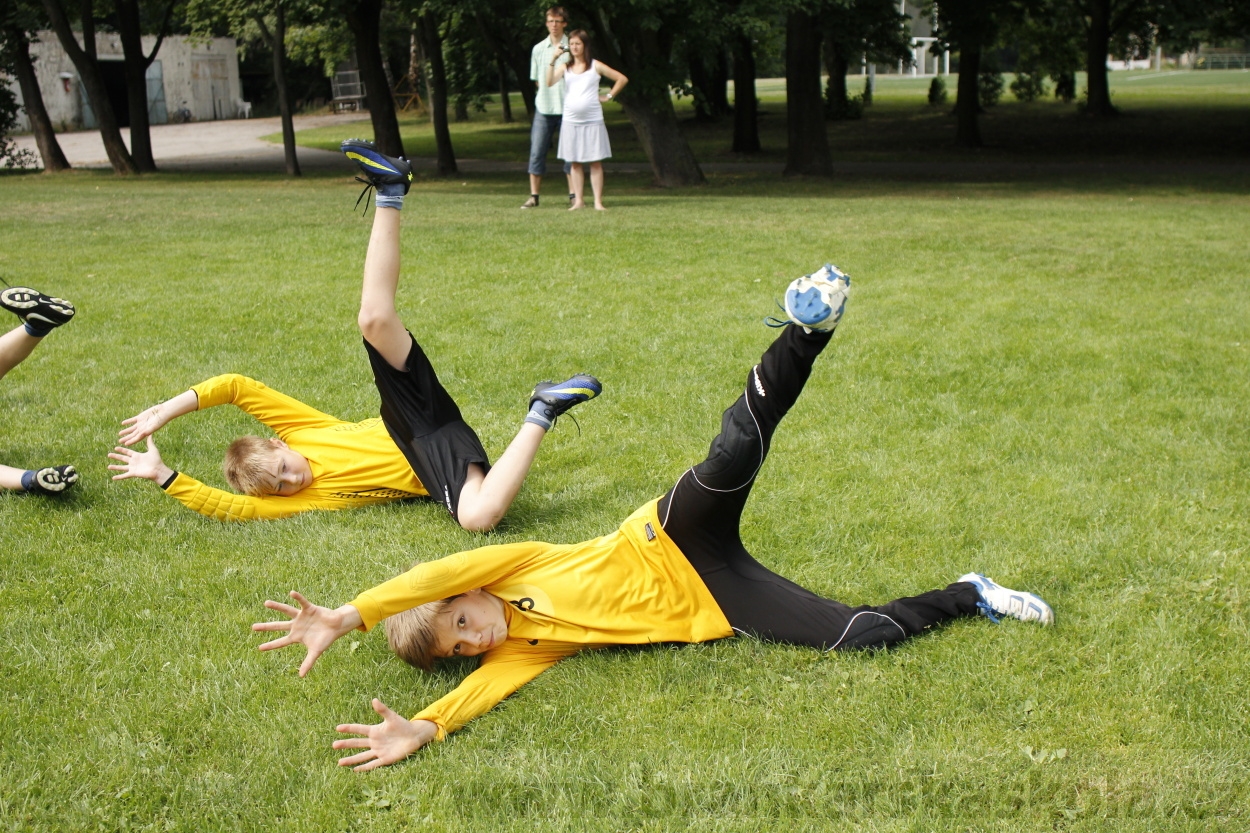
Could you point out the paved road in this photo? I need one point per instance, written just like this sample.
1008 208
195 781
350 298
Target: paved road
230 145
236 145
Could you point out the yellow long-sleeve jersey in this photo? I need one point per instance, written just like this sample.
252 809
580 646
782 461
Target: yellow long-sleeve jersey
631 587
353 463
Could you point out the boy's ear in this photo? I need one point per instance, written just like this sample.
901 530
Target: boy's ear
274 442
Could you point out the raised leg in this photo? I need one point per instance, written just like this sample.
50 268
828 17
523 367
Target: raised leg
486 496
15 346
378 319
704 507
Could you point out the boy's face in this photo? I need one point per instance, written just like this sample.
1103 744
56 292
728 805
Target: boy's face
471 624
287 471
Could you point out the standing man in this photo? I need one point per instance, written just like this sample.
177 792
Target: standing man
548 101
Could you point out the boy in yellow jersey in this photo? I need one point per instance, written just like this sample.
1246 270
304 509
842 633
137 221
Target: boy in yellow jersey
419 446
675 571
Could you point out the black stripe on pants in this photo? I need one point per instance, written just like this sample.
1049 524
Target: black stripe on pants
702 513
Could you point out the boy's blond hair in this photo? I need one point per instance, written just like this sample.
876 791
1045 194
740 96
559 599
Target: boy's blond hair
412 634
245 462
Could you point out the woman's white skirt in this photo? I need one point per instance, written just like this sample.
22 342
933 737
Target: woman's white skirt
583 142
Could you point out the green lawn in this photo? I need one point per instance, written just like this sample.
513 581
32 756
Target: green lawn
1166 118
1045 380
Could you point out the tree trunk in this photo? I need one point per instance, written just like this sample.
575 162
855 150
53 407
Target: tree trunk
807 149
1099 101
636 51
521 68
509 56
709 80
672 162
364 19
277 45
84 58
505 102
746 104
436 82
719 92
835 90
135 69
45 137
967 98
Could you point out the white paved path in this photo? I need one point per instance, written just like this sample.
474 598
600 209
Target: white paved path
228 145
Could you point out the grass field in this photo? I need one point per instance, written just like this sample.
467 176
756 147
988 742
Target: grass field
1166 118
1045 380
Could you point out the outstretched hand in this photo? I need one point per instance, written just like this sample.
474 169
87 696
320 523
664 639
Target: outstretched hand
385 743
142 425
146 464
313 626
145 424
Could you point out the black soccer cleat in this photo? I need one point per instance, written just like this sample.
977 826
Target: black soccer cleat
54 480
391 175
31 304
560 396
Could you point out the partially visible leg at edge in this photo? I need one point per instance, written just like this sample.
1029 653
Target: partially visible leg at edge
16 345
11 478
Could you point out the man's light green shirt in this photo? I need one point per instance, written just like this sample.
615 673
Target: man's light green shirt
547 100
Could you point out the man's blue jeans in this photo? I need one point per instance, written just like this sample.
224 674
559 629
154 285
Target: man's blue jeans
543 129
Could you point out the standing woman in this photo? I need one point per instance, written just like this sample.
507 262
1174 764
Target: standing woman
584 136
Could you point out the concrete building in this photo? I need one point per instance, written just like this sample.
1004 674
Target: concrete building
200 76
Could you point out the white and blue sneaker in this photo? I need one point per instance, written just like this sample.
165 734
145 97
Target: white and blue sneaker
1001 601
816 301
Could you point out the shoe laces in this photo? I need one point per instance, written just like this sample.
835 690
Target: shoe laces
775 322
369 186
989 612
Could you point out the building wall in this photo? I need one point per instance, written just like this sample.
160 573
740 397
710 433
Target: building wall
202 75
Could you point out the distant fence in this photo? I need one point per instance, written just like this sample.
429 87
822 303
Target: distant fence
1229 61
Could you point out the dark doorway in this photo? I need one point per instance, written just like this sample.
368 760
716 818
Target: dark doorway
114 74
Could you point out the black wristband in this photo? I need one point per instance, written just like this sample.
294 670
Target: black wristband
170 481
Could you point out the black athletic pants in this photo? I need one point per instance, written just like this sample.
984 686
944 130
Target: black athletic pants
702 512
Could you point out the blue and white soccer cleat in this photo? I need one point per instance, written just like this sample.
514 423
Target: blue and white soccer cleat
1003 601
816 301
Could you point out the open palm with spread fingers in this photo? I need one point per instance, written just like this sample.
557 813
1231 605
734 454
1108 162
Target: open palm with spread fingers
394 739
313 626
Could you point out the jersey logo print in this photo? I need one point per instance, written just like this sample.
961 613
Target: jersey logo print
528 598
524 604
650 532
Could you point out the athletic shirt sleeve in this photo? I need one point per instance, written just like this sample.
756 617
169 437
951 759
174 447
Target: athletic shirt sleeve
280 412
503 670
434 580
227 506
